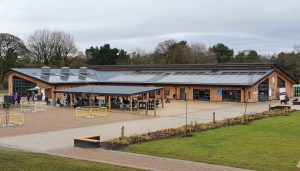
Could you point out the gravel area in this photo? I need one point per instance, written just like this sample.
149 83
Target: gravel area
60 118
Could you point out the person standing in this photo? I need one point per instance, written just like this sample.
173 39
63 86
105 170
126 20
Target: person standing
28 97
286 99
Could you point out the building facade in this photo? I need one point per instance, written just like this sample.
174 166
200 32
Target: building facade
212 82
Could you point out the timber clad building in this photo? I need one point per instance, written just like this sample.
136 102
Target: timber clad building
210 82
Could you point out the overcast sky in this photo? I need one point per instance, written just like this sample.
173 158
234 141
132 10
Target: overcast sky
268 26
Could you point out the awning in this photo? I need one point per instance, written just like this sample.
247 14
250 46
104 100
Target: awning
34 88
109 90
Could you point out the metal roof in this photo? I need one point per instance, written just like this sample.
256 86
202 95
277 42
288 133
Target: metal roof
109 90
181 77
269 64
203 77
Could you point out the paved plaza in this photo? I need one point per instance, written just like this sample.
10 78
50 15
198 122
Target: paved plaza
60 126
56 128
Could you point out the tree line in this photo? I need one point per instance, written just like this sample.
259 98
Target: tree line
58 48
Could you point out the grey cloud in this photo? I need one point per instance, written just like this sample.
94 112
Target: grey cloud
268 26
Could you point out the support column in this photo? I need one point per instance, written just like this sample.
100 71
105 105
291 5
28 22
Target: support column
138 106
109 103
147 101
54 94
130 101
163 98
10 84
154 108
71 100
89 99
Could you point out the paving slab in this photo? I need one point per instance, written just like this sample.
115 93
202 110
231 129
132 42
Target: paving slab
139 160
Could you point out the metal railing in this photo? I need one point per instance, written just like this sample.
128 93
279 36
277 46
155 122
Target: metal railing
91 112
11 119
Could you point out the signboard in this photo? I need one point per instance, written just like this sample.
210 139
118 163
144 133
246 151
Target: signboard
220 92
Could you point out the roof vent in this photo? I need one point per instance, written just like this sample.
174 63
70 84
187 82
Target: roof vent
65 70
83 70
45 70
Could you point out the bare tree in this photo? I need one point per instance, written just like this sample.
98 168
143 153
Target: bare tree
41 46
200 54
12 50
63 48
52 47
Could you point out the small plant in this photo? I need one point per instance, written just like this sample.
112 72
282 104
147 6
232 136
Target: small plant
121 142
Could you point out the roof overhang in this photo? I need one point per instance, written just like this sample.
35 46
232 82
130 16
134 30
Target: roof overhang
109 90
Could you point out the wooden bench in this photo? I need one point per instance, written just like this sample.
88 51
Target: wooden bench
296 103
87 142
280 107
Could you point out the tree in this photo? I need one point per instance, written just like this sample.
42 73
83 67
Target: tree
171 52
199 54
247 56
12 50
161 53
140 57
289 62
54 48
222 52
252 56
106 55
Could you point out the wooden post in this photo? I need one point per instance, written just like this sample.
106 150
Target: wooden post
163 98
109 103
138 106
214 117
147 101
154 108
130 101
71 100
89 99
122 131
54 94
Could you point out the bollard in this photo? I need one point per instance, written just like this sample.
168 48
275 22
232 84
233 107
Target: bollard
269 107
122 131
214 117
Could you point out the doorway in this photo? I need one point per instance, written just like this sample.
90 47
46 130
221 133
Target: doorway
263 89
182 93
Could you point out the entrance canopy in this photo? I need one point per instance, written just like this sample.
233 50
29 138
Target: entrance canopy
109 90
35 88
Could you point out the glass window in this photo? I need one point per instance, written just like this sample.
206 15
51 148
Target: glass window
21 86
201 94
167 92
231 95
280 83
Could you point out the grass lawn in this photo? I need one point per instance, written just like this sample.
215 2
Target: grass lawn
268 144
23 161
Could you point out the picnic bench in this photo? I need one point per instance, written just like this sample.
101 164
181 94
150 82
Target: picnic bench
87 142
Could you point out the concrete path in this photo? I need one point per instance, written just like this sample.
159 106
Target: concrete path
61 142
64 138
139 161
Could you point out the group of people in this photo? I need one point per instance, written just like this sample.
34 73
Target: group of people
33 96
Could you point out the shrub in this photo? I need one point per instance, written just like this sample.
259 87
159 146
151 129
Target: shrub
121 142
